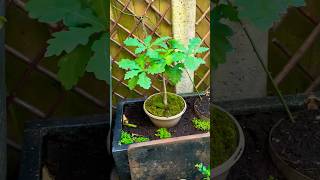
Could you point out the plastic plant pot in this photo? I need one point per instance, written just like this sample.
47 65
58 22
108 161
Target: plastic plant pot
221 172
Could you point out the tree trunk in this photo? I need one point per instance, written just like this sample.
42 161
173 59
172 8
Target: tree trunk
183 26
165 97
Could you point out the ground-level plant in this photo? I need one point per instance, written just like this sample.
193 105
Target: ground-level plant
165 57
163 133
127 138
201 124
205 171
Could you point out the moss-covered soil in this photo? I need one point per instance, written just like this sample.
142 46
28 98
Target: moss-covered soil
155 105
224 137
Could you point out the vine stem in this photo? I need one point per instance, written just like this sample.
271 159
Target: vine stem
265 68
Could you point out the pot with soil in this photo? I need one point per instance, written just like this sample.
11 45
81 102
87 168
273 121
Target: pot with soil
227 142
165 117
294 145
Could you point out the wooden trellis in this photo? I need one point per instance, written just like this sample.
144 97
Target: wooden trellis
153 17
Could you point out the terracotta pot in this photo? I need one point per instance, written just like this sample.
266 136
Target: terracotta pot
165 122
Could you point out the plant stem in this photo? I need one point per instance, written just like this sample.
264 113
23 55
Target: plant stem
265 68
194 85
165 98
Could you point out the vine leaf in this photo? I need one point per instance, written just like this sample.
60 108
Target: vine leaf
73 65
99 63
263 13
68 40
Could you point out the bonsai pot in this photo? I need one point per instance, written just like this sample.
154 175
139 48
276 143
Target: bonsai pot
165 122
221 171
169 158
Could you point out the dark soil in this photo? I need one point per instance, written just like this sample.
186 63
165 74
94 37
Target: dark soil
299 143
77 154
202 107
255 163
136 115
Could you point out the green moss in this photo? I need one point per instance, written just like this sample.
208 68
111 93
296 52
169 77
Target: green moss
155 105
201 124
224 137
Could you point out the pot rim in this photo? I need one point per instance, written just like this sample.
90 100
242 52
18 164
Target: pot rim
284 167
161 117
226 166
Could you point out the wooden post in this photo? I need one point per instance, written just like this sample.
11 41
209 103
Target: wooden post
3 126
183 27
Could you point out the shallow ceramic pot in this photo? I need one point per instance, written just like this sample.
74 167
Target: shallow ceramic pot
165 122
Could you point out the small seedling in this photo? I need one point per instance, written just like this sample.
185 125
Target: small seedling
205 171
127 138
203 125
163 133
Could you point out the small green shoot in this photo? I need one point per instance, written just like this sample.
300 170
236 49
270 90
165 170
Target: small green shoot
163 133
127 138
205 171
203 125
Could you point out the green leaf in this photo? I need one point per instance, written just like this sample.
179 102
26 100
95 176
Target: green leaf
156 68
144 81
193 63
99 63
131 74
147 41
174 74
176 44
73 65
51 11
140 60
140 50
86 17
263 13
161 42
3 20
132 83
69 40
71 11
153 54
133 42
225 11
178 56
127 64
201 50
194 43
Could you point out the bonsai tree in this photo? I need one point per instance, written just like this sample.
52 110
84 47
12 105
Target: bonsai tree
166 57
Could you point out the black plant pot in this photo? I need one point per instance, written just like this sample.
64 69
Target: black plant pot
68 148
177 154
